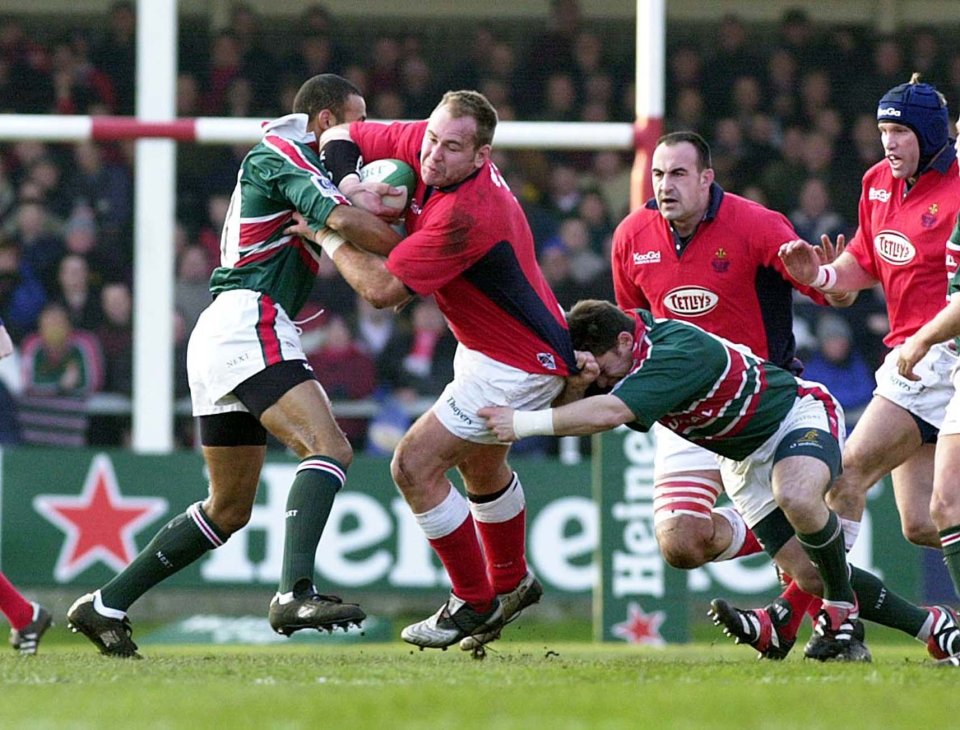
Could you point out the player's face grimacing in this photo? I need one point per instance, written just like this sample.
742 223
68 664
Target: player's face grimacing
682 191
448 154
901 148
616 362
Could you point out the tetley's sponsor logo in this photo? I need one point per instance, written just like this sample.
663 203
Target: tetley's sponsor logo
894 248
879 194
650 257
690 301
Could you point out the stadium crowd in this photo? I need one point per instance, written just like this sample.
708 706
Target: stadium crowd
789 117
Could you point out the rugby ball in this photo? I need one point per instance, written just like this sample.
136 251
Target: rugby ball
396 173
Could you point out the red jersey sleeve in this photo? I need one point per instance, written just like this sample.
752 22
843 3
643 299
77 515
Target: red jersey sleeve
627 293
774 229
397 141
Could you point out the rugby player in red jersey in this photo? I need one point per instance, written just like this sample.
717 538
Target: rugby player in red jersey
469 245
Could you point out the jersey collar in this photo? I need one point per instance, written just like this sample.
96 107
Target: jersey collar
292 127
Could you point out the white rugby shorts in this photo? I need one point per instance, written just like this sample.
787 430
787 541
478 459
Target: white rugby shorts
237 336
480 381
749 483
951 418
928 397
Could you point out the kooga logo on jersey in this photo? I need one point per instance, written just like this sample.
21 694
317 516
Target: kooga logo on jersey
690 301
894 248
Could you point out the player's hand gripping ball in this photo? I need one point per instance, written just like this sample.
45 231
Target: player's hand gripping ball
396 173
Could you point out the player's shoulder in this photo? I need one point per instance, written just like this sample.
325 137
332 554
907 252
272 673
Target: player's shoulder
636 221
751 217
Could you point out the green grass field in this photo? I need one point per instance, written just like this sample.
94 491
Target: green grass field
539 676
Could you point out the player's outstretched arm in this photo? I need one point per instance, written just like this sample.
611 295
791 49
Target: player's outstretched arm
939 329
590 415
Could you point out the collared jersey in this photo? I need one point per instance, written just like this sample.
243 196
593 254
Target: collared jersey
708 390
728 279
901 241
471 247
281 174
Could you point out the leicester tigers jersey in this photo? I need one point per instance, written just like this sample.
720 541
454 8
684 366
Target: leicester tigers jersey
953 265
281 174
708 390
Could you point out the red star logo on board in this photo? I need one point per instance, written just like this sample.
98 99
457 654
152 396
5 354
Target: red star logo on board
640 627
99 524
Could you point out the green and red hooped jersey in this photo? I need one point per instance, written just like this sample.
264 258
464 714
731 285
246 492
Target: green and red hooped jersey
280 175
708 390
953 266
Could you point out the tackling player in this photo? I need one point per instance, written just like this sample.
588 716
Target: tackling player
249 375
470 246
779 439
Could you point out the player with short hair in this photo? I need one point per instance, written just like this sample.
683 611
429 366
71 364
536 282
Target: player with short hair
249 375
908 205
697 253
28 619
779 438
470 246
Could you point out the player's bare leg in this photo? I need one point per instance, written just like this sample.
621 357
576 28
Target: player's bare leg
303 420
419 468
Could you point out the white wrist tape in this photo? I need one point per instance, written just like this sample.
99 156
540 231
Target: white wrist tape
826 278
533 423
330 241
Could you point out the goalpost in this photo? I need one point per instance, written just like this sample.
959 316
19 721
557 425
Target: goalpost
156 131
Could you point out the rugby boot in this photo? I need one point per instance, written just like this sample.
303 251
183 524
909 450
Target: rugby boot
25 640
455 620
313 611
528 592
944 641
112 636
756 627
836 635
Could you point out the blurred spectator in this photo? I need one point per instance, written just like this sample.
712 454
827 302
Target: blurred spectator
25 82
814 218
116 54
781 178
838 366
559 99
611 176
61 367
22 296
105 187
40 247
226 64
209 235
733 58
384 73
106 260
75 293
781 84
79 86
798 37
574 237
557 270
552 51
188 95
419 357
115 335
593 212
347 372
564 195
192 287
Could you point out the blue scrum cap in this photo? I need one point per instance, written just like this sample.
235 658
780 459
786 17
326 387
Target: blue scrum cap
923 109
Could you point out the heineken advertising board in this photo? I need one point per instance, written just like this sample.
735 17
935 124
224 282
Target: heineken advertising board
74 518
